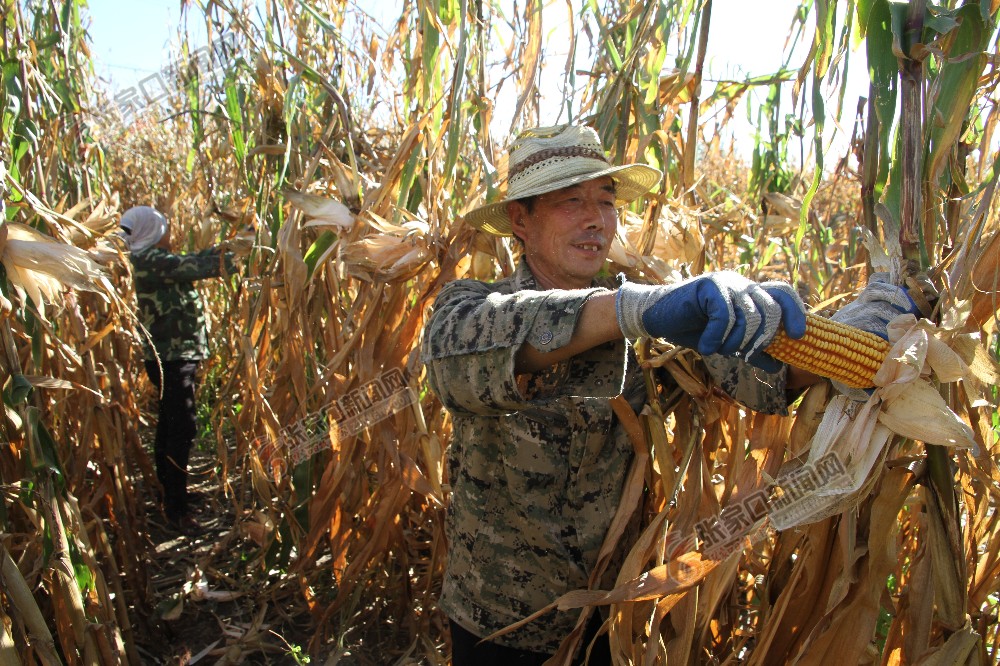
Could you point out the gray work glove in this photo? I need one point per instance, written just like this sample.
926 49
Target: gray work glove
716 313
878 304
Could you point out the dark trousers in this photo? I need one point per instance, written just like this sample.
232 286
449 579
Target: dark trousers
466 650
176 427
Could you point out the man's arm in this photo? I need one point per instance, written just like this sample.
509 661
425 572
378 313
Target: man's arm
477 331
597 324
800 379
183 267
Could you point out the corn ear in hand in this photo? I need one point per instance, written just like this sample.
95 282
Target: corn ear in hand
833 350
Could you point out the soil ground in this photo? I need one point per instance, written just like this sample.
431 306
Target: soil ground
213 605
204 615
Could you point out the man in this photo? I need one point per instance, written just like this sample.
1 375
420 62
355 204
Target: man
170 310
526 366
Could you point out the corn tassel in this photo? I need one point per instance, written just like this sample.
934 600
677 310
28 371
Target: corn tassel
834 350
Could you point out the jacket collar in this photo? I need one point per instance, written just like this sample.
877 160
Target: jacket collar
523 279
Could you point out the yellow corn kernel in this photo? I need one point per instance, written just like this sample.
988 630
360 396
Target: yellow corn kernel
834 350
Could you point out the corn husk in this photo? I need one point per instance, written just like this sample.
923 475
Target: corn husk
40 268
101 221
322 211
396 252
674 240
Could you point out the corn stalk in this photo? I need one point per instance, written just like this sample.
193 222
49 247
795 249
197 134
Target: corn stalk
68 408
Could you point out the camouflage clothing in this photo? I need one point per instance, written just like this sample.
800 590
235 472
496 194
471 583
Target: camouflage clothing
536 467
169 305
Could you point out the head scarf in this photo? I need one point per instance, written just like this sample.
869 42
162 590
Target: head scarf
144 227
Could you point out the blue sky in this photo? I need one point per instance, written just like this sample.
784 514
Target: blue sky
134 39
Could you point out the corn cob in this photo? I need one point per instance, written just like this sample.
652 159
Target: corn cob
834 350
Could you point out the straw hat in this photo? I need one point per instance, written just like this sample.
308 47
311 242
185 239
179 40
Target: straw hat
544 159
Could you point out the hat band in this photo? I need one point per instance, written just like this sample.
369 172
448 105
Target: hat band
549 153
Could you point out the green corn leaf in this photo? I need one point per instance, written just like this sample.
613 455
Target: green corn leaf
891 203
318 250
27 129
234 111
955 88
883 70
321 20
864 11
897 14
609 44
407 181
430 42
942 22
819 113
449 9
825 17
42 449
16 389
310 74
84 576
455 110
652 66
193 92
825 33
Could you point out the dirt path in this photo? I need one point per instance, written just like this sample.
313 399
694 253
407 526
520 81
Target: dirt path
215 603
209 605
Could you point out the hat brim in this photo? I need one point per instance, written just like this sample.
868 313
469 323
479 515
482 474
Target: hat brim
631 182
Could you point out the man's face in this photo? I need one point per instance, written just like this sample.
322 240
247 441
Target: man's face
567 235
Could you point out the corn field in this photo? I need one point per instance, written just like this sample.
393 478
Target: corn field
352 146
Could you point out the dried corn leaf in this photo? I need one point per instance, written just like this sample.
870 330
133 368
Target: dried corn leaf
40 267
848 625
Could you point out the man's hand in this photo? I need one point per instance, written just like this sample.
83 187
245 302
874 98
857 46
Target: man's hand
879 303
716 313
240 246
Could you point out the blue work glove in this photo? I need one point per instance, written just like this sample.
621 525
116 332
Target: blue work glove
717 313
878 303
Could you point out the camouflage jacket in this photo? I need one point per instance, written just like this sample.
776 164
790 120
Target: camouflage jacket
537 468
169 305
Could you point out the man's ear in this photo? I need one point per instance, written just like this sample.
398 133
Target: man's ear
517 212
